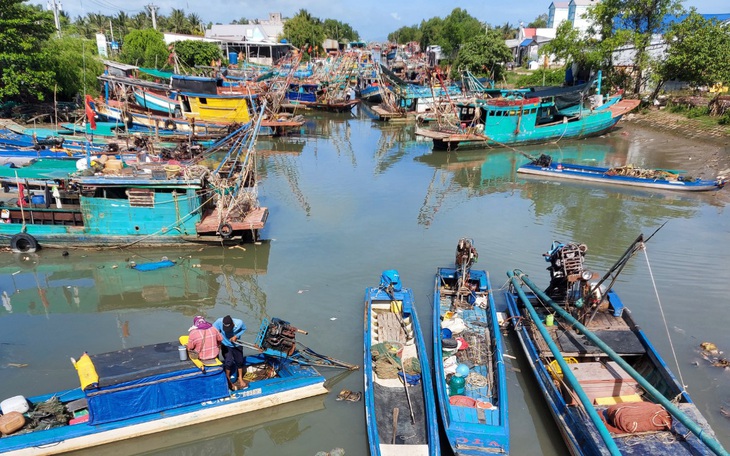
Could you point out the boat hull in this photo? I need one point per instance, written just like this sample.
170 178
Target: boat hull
600 175
581 435
297 382
478 422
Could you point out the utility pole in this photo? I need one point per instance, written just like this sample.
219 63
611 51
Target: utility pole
55 6
152 8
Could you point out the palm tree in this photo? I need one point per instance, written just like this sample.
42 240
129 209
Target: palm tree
140 21
196 24
121 23
178 23
98 21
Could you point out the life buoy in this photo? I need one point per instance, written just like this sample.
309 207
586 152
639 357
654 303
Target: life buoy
170 125
23 243
226 230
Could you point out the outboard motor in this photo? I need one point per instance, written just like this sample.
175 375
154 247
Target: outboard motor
280 336
566 269
390 279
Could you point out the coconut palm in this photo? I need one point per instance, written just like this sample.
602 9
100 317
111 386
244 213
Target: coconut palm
196 24
140 21
177 22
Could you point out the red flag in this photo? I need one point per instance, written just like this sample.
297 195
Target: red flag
21 195
90 112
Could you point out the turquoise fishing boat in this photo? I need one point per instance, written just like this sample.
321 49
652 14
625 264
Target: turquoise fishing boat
400 407
114 203
607 387
532 117
154 388
468 349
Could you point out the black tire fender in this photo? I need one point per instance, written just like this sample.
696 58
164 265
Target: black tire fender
23 243
170 125
225 230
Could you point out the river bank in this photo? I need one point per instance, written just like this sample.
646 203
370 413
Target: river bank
677 124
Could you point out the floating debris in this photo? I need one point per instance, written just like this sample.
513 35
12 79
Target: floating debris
709 347
347 395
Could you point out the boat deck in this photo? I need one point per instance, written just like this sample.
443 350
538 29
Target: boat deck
252 221
397 433
623 107
612 330
385 115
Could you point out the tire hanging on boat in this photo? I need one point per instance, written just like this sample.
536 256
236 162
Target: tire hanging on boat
23 243
226 230
170 125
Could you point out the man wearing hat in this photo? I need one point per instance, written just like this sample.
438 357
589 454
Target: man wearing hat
232 329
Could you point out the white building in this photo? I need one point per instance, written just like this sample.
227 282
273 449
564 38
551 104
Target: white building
557 13
577 10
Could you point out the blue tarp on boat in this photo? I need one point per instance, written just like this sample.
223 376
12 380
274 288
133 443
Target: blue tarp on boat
148 379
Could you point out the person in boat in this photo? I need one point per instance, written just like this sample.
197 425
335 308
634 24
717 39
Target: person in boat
232 329
203 341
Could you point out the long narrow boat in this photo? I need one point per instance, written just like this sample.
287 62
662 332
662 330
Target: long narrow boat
624 175
475 420
400 409
607 387
149 389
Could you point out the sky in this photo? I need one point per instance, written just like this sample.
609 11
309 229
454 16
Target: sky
373 20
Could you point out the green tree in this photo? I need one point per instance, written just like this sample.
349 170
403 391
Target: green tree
75 65
23 73
196 24
337 30
178 22
431 32
144 48
140 21
484 54
508 31
539 22
638 21
406 34
304 31
458 28
192 53
698 52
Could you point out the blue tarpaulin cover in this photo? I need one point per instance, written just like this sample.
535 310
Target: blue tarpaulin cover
148 379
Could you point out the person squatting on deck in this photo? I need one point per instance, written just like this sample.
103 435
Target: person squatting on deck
232 329
204 341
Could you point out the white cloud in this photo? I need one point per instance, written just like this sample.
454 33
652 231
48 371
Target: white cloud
395 16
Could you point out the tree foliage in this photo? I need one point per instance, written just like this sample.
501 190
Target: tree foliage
192 53
304 31
337 30
539 22
75 65
145 48
24 75
458 28
698 51
484 54
406 34
638 21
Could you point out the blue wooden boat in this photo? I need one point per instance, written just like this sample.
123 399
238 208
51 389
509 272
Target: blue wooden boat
607 387
145 390
400 408
167 104
143 204
623 175
476 420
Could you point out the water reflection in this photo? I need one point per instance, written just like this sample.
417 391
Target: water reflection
52 282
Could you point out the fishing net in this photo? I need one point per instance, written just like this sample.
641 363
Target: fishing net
387 363
45 415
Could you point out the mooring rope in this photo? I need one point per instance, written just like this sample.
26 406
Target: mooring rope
664 319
